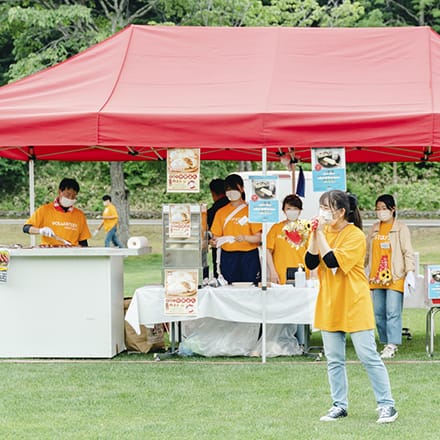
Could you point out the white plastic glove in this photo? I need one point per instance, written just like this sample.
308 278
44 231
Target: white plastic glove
409 284
95 232
47 232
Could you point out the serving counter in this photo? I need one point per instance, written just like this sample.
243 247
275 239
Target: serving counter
63 303
242 305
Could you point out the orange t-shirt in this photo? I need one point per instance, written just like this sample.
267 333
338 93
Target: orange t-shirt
284 255
344 300
381 275
70 225
237 225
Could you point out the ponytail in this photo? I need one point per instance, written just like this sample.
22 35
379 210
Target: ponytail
354 215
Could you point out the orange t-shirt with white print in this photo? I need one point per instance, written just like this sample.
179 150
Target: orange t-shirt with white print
380 275
237 225
70 225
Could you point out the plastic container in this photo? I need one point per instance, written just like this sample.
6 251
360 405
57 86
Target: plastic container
300 277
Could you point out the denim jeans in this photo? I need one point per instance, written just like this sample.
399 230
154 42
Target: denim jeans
388 306
111 237
365 346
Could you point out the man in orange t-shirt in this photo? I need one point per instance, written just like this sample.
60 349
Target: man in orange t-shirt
59 222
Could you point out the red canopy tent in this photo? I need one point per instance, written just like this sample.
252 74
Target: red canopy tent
232 92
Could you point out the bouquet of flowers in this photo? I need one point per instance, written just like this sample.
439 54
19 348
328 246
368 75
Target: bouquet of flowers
297 232
383 275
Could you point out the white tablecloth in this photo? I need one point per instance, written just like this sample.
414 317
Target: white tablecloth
284 304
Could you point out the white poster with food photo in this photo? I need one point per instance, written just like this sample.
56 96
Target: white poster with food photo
179 221
183 170
181 291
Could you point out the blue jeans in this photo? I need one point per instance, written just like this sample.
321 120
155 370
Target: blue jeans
388 306
111 237
365 346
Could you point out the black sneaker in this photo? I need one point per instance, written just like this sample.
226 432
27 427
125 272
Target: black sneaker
387 414
334 413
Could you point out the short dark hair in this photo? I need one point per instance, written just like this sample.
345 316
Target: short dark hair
106 197
233 180
67 183
292 200
217 186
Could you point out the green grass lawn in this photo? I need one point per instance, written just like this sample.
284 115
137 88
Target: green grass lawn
181 400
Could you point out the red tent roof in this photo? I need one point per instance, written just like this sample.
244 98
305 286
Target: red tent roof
231 92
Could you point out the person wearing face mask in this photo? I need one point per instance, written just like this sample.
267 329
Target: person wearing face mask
239 258
281 251
337 247
59 222
390 263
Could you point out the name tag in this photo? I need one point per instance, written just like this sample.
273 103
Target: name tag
385 245
243 220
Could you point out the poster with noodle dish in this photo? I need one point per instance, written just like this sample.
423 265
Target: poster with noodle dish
179 221
181 292
183 170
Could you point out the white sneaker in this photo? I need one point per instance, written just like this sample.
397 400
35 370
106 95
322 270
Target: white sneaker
389 351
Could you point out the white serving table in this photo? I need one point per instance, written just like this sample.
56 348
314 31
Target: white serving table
64 303
241 307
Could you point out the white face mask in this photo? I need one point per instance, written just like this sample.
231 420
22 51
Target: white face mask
326 214
233 195
67 203
292 214
384 215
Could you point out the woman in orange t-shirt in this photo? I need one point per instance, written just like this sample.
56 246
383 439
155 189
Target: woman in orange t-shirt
390 260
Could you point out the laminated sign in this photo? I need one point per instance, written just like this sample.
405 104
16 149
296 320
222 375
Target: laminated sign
328 169
181 292
183 170
180 221
4 265
264 205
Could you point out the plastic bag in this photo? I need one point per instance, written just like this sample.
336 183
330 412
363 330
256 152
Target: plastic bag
280 341
213 337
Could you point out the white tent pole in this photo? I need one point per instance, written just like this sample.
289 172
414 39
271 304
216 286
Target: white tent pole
264 272
31 194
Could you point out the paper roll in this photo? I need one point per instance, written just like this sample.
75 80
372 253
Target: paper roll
137 242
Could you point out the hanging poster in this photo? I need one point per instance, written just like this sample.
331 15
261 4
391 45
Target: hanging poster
181 292
183 170
263 204
180 221
4 265
328 169
433 280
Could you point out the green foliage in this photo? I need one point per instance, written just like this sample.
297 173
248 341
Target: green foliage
146 182
42 37
413 185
